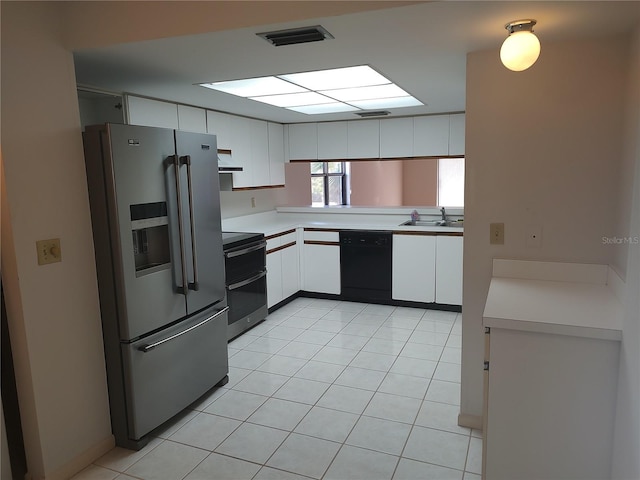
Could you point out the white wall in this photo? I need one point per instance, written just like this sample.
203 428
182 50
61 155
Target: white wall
53 310
543 148
626 461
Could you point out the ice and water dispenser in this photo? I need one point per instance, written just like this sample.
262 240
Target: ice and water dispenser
150 233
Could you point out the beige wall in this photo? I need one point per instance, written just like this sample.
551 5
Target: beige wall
376 183
53 310
543 148
626 445
420 182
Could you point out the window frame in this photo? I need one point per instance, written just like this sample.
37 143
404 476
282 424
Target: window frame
325 176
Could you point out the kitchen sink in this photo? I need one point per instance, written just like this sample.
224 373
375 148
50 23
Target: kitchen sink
431 223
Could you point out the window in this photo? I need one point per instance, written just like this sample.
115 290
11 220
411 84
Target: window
451 182
328 183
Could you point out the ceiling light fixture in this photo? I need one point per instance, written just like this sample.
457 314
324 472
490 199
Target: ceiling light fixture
334 90
521 48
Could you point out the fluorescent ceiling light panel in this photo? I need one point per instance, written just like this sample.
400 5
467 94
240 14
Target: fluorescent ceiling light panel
253 87
396 102
294 99
323 91
360 76
365 93
336 107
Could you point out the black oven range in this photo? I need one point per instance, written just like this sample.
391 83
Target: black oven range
246 280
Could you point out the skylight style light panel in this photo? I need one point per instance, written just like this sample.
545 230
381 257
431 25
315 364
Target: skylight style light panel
349 77
253 87
365 93
294 99
336 107
396 102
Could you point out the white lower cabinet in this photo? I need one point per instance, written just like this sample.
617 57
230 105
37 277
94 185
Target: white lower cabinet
274 278
283 272
321 259
413 276
290 270
449 269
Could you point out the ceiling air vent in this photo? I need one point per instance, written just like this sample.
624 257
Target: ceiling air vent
292 36
377 113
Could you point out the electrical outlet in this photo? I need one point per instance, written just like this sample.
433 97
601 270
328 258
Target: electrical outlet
534 236
49 251
253 202
496 234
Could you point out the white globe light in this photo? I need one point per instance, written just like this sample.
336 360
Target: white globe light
520 50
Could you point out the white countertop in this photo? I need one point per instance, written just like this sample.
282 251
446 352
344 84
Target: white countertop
273 222
582 309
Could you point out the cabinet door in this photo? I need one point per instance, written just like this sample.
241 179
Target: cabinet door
456 134
290 271
303 141
431 136
241 151
220 124
363 139
322 268
396 137
449 270
276 153
192 119
414 268
152 113
259 139
332 141
274 278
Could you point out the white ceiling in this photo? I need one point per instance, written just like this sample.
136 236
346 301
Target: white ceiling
422 48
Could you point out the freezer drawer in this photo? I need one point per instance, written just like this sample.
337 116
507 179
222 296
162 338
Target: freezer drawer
169 370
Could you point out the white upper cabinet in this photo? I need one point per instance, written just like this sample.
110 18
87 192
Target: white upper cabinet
152 113
192 119
456 134
396 137
332 140
259 141
363 139
303 141
220 125
276 153
241 151
431 136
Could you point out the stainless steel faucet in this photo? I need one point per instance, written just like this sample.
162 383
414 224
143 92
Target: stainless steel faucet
444 214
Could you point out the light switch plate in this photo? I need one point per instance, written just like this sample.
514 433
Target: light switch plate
49 251
496 233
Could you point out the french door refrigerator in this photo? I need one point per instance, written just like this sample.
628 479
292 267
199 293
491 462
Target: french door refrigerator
155 211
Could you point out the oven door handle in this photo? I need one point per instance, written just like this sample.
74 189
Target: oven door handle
234 286
237 253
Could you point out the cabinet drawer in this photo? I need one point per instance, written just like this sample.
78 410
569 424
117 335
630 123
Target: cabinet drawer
322 236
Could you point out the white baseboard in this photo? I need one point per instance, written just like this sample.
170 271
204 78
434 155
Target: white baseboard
83 460
470 421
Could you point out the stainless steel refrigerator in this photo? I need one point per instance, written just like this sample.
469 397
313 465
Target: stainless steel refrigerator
155 211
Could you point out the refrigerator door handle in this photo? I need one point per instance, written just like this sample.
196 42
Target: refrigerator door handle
186 160
247 281
176 165
151 346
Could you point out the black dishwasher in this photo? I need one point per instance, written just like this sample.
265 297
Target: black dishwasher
365 265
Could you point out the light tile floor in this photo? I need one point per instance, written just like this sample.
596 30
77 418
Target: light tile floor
324 390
